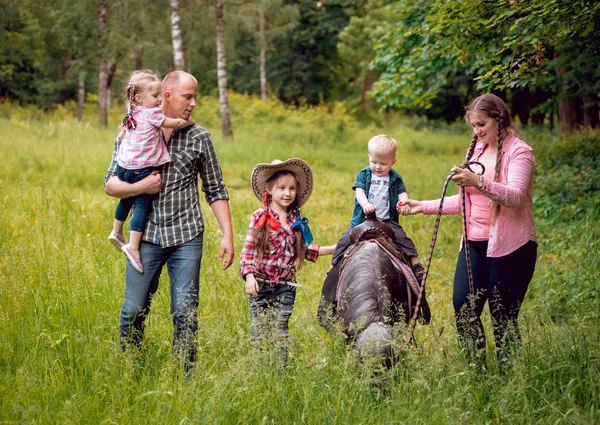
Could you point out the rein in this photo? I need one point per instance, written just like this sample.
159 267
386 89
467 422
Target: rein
413 320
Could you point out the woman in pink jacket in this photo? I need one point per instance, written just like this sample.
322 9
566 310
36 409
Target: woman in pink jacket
500 229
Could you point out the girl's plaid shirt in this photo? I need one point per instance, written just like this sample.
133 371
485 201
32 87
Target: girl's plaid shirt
278 262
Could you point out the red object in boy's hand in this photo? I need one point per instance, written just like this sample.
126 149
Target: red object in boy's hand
398 205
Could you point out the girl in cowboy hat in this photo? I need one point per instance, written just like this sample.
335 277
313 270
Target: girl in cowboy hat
278 241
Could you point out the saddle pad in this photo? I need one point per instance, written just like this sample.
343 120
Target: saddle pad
404 268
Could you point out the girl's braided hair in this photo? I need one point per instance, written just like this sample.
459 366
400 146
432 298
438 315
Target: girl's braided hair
492 106
261 234
138 83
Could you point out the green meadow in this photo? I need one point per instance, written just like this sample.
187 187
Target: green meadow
62 285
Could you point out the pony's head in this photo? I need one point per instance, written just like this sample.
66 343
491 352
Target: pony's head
375 343
372 296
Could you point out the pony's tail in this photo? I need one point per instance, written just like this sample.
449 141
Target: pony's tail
375 342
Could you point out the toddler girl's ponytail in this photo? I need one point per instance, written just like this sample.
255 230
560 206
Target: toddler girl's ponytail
129 123
139 82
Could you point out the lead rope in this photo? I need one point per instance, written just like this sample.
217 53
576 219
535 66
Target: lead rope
413 320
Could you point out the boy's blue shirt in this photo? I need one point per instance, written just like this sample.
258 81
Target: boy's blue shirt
363 181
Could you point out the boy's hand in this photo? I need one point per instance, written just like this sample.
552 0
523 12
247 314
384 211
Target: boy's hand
369 209
403 208
190 121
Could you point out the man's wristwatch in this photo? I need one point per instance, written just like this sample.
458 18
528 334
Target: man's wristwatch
480 183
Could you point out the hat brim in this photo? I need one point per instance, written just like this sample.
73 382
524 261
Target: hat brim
262 173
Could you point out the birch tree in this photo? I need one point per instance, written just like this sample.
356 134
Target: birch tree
263 50
178 57
222 71
266 20
102 66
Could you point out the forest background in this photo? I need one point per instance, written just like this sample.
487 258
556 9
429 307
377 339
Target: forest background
426 58
316 79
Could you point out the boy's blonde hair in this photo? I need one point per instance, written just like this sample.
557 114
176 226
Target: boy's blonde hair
382 144
139 81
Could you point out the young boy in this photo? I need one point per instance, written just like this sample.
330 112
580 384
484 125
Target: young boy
380 190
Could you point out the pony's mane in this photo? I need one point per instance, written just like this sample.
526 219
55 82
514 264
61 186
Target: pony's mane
366 290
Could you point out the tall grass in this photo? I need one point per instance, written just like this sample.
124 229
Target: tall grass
61 288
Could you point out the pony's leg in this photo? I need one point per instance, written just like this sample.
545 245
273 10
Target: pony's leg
326 312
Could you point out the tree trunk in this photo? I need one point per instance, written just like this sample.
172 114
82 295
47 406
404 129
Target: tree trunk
138 49
567 108
222 72
112 70
80 94
102 66
367 86
263 49
567 114
178 60
521 104
590 111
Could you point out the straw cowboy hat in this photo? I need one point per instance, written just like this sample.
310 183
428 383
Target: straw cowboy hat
262 173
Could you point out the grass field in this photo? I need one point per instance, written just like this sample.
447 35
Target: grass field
62 283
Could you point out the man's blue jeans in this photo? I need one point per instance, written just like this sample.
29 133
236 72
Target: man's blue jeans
183 264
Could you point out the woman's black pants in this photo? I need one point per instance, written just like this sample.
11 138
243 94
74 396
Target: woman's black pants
503 281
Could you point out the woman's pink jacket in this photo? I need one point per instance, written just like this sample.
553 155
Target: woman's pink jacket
514 225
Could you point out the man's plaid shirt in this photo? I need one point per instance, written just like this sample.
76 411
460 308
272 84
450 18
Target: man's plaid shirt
176 217
278 262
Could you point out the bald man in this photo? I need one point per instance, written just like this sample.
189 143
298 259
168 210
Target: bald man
175 228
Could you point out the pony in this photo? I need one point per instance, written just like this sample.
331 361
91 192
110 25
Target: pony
376 289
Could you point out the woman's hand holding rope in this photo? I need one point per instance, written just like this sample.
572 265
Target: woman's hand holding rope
464 176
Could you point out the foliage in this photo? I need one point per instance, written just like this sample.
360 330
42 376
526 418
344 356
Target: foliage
369 21
501 44
569 185
568 211
20 47
61 288
281 18
309 67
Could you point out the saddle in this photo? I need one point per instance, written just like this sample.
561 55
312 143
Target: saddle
375 231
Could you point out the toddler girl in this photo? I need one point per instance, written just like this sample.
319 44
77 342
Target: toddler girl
142 152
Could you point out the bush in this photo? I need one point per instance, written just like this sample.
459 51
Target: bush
567 214
568 181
